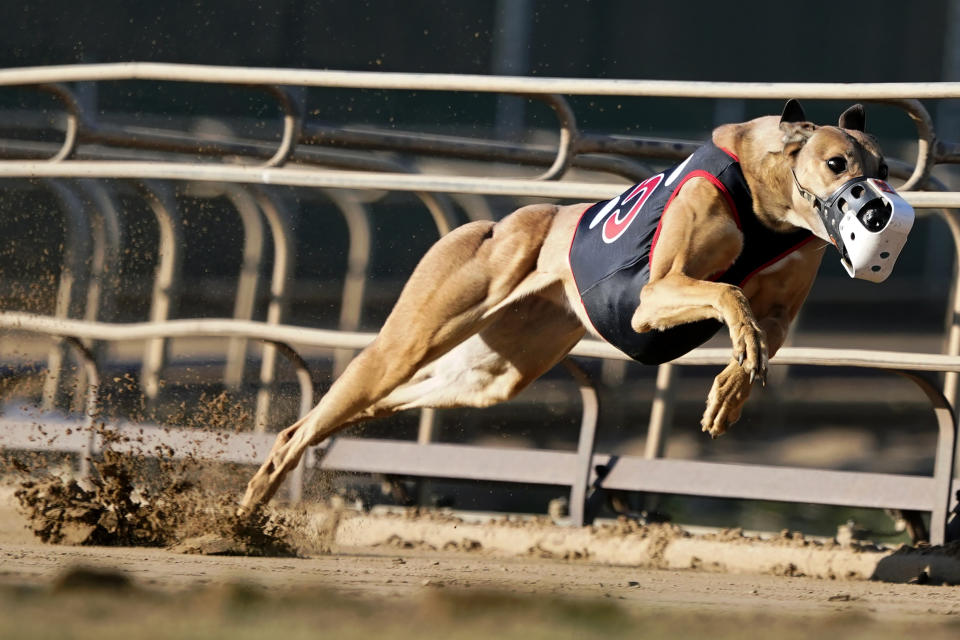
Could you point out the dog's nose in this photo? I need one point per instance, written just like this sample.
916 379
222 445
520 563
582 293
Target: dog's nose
874 216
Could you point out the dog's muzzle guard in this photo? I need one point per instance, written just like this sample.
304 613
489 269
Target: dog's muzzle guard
868 222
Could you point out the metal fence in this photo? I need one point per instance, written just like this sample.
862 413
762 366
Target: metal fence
243 170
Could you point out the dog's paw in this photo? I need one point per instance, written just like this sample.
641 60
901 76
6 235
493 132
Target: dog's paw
725 401
717 418
750 351
712 426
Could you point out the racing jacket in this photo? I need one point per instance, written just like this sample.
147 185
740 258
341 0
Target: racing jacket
613 245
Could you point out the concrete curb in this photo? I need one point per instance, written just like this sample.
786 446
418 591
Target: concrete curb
655 546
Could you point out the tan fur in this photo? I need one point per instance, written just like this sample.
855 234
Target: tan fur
492 306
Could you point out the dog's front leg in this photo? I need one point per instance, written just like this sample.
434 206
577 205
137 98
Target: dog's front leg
678 299
776 296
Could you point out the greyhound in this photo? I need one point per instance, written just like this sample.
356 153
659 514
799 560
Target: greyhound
732 236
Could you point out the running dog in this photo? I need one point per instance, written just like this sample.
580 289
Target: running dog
732 236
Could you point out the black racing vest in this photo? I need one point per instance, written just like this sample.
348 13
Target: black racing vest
613 245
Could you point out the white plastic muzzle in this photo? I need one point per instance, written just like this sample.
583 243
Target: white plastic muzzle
869 224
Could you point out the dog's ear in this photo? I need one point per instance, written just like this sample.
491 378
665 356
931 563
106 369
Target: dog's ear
854 118
792 112
796 129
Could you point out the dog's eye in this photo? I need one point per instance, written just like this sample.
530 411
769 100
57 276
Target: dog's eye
837 164
883 171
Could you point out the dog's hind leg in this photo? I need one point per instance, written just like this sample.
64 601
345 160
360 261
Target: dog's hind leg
455 291
493 365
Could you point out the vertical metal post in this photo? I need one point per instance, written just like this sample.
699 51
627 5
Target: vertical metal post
284 250
661 412
166 284
74 275
945 456
295 482
248 280
105 236
585 443
358 261
91 409
427 427
951 380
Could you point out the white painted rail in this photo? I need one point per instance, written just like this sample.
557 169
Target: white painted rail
476 83
333 179
306 336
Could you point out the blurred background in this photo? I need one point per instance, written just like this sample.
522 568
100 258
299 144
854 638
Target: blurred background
842 419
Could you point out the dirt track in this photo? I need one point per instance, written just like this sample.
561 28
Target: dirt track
388 573
355 591
681 600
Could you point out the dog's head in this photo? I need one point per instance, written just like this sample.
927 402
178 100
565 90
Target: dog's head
823 158
829 180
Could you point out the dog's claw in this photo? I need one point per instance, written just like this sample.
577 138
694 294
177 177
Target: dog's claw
741 358
753 374
712 431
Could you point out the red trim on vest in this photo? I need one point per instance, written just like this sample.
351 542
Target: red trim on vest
777 259
698 173
729 153
570 266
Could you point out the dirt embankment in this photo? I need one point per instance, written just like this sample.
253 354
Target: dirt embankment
147 501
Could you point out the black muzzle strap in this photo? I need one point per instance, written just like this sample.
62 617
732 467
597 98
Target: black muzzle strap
809 197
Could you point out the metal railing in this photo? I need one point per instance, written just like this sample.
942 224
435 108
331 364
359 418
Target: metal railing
296 144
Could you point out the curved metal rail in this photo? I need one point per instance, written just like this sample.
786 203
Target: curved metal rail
79 125
532 86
